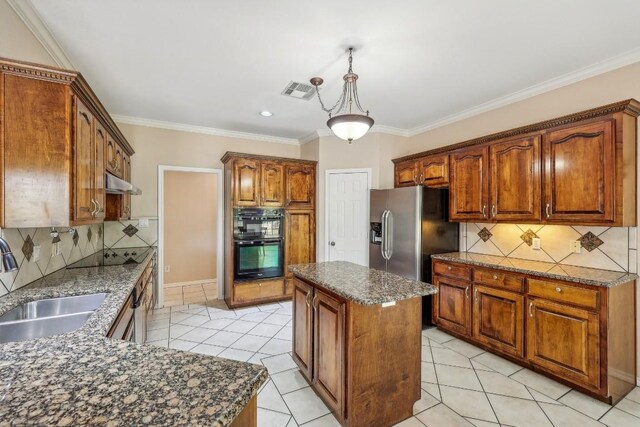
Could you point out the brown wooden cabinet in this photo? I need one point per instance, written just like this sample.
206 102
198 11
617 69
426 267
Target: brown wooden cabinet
498 319
577 334
515 180
328 352
272 184
469 184
406 174
299 243
303 327
301 186
579 173
246 182
54 127
433 171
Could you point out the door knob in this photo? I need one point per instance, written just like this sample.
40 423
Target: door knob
332 243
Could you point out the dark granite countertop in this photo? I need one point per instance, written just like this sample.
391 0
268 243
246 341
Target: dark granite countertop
82 377
359 284
569 273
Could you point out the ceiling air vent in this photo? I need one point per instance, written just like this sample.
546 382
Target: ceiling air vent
299 90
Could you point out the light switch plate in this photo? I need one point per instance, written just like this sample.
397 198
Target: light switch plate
535 243
143 223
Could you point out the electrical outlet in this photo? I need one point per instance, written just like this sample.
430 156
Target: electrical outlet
167 268
143 223
575 246
535 243
35 255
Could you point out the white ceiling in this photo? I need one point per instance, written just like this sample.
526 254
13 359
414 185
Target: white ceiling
216 64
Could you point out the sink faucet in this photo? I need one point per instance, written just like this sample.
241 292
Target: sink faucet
8 260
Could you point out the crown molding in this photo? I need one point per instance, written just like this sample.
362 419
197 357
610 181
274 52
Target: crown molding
602 67
32 19
159 124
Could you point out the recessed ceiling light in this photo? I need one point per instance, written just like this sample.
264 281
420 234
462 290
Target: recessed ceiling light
266 113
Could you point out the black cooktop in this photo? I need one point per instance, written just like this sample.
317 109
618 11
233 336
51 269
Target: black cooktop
113 257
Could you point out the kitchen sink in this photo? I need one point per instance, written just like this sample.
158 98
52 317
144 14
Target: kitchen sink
47 317
23 330
54 307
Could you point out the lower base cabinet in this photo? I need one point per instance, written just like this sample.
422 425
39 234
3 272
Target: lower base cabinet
577 334
343 350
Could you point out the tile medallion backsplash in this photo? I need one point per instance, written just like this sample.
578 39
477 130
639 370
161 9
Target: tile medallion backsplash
32 248
607 248
130 234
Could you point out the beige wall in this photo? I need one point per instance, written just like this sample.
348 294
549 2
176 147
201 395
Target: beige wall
155 147
190 219
17 41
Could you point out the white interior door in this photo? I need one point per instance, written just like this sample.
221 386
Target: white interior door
348 206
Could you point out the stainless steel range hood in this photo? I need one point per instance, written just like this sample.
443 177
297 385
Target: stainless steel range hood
115 185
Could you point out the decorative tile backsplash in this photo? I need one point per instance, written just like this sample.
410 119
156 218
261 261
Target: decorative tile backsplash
608 248
129 234
25 243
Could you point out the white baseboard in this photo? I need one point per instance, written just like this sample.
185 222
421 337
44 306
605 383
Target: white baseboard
193 282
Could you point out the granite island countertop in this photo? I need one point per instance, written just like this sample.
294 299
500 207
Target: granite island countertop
360 284
82 377
569 273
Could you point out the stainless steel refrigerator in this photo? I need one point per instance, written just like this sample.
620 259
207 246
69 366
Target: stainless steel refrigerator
407 226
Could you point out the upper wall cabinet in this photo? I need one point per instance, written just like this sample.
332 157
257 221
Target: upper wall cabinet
54 127
272 184
578 169
301 184
515 180
469 187
246 182
430 171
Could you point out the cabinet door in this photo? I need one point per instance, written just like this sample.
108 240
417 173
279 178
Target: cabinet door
99 169
515 180
328 357
110 155
469 186
126 175
84 206
434 171
300 238
579 169
564 340
498 319
246 174
303 327
301 187
406 174
272 184
452 306
120 161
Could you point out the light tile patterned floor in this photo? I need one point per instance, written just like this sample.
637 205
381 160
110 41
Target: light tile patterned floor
461 384
189 294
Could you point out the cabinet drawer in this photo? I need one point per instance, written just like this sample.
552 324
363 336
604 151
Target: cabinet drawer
452 270
498 279
244 292
565 293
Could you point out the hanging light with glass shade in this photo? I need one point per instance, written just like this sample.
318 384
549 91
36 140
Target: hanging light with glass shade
343 121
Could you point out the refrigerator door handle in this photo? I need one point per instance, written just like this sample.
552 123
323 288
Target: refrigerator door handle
383 244
389 235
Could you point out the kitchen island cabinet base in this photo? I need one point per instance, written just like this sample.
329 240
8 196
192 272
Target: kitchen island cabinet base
249 415
366 358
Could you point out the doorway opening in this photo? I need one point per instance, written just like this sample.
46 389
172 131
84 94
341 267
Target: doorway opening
190 216
347 215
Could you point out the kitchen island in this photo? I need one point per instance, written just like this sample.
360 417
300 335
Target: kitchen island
357 339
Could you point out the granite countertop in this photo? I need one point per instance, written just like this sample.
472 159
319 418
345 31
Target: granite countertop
569 273
359 284
82 377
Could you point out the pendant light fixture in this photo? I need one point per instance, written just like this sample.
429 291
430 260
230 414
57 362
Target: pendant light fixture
343 121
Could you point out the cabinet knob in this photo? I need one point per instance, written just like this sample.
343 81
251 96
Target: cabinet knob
495 277
558 290
259 284
449 268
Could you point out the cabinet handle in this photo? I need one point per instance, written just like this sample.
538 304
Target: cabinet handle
495 277
307 298
547 210
484 211
558 290
421 178
466 292
493 211
95 207
530 307
475 293
100 208
315 303
415 177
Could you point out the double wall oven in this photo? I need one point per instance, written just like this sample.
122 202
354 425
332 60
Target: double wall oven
258 243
